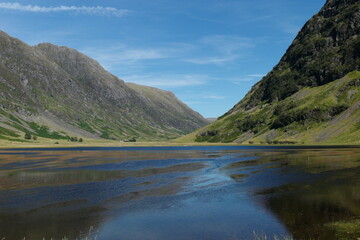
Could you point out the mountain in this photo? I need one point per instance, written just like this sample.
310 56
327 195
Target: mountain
57 92
312 95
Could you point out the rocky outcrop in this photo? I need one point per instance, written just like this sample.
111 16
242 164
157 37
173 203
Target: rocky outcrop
326 49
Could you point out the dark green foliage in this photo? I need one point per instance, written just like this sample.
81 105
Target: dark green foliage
86 127
12 117
311 111
326 49
106 134
249 123
307 114
73 139
210 133
131 140
7 132
43 131
27 136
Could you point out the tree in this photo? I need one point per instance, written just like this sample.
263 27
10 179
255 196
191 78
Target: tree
34 138
27 136
80 140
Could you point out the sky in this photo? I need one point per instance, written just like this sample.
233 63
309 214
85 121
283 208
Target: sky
208 52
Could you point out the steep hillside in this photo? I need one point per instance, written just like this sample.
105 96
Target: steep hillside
170 108
312 95
53 91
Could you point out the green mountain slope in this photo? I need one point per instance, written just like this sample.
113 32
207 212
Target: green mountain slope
312 95
55 92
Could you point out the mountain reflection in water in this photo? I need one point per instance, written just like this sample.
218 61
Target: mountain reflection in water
178 192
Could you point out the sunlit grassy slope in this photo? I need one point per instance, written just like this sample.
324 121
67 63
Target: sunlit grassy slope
323 114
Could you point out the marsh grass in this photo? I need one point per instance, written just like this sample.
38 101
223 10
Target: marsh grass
88 235
275 237
92 235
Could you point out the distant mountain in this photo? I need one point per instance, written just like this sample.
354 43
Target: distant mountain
56 92
312 95
211 119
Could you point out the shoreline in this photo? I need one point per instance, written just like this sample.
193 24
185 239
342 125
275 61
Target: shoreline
4 144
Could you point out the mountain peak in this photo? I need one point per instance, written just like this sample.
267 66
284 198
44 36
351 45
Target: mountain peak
324 55
70 93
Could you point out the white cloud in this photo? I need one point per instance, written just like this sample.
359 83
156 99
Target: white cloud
167 81
212 96
93 10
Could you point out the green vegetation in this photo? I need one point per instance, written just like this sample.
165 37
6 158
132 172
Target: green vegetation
43 131
131 140
57 93
105 133
86 127
264 237
312 95
75 139
325 50
328 113
345 230
8 132
27 136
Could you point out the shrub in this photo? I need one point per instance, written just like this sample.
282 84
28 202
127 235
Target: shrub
131 140
27 136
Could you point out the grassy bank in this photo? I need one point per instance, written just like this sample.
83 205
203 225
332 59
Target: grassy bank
63 143
50 143
59 143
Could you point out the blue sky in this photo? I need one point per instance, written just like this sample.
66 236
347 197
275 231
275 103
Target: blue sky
208 52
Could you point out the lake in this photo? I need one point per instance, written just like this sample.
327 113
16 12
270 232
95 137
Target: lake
225 192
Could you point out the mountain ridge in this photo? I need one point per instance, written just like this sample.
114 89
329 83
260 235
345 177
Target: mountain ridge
43 83
326 50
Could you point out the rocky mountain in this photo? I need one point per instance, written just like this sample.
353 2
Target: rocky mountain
53 91
312 95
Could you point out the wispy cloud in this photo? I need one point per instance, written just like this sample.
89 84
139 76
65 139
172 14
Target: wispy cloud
167 81
211 60
194 98
121 54
93 10
212 96
222 49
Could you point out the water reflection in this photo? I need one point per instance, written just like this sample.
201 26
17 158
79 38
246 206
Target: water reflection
178 193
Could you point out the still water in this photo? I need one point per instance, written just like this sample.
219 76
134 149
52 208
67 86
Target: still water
177 192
